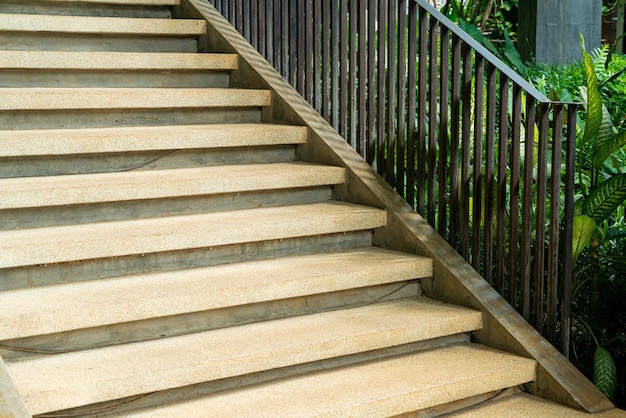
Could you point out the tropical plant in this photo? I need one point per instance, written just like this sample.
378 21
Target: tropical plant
602 191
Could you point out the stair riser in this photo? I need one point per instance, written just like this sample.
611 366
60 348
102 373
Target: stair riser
78 9
60 42
204 321
140 79
32 276
189 392
136 161
116 118
143 209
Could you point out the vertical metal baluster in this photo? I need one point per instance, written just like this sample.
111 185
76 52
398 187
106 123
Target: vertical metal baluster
455 131
411 111
466 146
477 179
540 214
555 222
490 151
401 108
527 204
422 94
503 139
514 193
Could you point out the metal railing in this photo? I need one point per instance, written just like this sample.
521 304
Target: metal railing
486 158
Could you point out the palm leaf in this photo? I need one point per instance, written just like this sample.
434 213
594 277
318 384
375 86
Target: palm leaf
605 198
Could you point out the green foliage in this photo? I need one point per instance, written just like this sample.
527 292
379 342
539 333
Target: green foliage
605 198
599 230
483 20
583 229
605 372
594 101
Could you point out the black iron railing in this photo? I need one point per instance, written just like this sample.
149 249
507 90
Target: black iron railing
486 158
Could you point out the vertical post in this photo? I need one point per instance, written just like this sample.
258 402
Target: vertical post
568 219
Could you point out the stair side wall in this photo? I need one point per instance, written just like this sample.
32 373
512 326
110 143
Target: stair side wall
11 403
454 280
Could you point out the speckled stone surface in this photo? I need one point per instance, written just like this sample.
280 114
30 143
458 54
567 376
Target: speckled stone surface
110 239
144 138
114 372
121 61
376 389
101 25
44 310
129 98
122 2
525 405
153 184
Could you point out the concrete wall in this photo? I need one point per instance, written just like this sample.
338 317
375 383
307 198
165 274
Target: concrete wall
548 29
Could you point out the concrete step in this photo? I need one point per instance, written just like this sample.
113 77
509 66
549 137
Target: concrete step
12 99
527 405
24 143
110 2
115 61
389 387
81 378
44 310
102 26
111 8
111 239
154 184
36 69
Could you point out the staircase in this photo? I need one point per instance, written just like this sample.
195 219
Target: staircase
166 250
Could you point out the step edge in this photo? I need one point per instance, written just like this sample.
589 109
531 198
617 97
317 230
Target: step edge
274 287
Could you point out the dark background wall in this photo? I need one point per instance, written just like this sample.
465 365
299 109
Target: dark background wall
548 29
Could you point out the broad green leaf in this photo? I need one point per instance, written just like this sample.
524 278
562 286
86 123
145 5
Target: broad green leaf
605 133
604 372
594 101
605 198
607 148
583 229
511 53
475 33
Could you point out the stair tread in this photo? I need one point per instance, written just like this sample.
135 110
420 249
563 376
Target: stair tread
110 239
119 61
527 405
44 310
152 184
122 2
101 25
91 376
129 98
387 387
16 143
